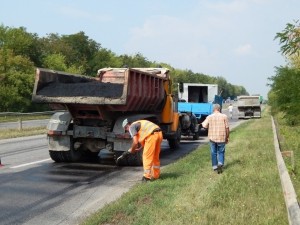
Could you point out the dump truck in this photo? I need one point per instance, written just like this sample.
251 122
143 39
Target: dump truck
195 104
90 110
249 106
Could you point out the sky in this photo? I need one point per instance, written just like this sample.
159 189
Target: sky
233 39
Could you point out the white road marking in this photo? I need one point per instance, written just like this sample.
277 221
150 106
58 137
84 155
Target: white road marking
31 163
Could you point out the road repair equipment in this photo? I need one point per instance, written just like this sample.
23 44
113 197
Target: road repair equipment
92 110
122 157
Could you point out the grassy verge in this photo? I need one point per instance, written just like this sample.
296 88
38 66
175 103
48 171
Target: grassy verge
188 192
289 141
13 133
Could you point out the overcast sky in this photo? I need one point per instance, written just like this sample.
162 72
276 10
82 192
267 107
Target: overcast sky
229 38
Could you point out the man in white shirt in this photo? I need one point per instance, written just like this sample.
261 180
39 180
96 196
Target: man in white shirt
230 109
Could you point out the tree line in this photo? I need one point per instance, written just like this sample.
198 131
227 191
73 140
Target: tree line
284 95
21 52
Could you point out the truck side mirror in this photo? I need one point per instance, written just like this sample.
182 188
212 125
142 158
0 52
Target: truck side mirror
181 87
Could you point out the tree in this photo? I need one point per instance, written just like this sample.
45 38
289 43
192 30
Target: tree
223 86
20 42
104 58
285 91
78 50
285 84
83 50
294 60
290 39
57 62
17 79
137 60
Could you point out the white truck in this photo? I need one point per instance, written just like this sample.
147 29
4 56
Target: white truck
198 93
195 104
248 106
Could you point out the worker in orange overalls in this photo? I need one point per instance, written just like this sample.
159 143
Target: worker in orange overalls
149 135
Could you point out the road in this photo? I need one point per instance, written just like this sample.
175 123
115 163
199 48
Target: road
35 190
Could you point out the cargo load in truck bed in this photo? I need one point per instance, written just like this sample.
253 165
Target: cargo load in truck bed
119 89
85 89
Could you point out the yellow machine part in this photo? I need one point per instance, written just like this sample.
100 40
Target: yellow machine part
167 113
175 124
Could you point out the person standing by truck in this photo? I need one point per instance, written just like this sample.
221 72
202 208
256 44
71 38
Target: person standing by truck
218 134
149 135
230 109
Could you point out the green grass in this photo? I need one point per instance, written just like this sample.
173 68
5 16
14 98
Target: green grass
13 133
188 192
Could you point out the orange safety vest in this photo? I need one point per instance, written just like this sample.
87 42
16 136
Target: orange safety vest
146 129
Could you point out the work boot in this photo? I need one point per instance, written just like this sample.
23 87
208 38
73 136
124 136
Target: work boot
216 170
220 168
145 179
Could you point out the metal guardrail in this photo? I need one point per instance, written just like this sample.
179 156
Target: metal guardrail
28 114
21 123
289 193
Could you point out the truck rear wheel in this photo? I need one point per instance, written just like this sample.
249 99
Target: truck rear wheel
196 136
175 141
65 156
56 156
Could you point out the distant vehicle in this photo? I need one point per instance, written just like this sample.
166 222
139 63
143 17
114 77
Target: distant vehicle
248 106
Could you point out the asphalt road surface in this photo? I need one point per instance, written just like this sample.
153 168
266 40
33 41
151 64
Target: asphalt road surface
36 190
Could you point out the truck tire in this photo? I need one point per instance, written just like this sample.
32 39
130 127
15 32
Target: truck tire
72 156
174 142
135 159
56 156
196 136
65 156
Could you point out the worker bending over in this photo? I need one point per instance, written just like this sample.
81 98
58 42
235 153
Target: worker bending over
149 135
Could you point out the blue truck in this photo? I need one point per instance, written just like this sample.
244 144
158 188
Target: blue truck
195 104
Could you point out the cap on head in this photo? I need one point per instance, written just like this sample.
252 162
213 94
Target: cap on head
125 122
